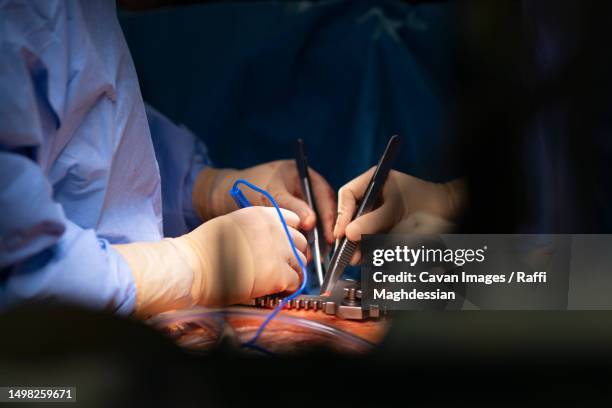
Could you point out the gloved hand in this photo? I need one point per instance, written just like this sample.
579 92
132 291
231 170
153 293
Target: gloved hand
406 200
227 260
280 178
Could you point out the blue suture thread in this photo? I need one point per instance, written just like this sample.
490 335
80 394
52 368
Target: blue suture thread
242 201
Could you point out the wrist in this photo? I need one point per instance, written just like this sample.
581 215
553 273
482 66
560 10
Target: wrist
455 198
162 276
210 197
199 261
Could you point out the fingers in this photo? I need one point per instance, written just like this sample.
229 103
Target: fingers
287 281
380 220
290 217
288 201
356 258
292 279
299 240
294 264
326 203
296 276
348 196
301 245
293 221
309 255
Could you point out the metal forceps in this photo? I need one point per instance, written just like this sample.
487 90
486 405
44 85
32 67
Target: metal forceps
315 237
344 252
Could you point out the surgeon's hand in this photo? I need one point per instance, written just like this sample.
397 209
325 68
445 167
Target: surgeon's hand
406 201
280 178
227 260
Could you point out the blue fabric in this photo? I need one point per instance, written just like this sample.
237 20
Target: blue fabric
181 157
251 77
78 168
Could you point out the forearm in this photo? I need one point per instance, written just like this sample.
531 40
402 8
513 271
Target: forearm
46 257
163 276
204 267
79 269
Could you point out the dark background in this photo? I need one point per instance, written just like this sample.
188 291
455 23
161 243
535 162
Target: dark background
513 96
251 77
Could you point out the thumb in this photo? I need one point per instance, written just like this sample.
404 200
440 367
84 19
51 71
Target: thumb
348 196
379 220
290 217
305 213
347 202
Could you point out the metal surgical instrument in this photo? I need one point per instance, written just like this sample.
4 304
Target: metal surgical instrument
344 252
315 236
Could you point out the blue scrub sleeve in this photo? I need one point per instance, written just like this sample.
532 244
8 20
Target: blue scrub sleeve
43 255
180 157
46 257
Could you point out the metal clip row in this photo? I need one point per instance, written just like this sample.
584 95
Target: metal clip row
297 303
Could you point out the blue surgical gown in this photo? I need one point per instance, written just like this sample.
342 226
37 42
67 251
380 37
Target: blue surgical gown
81 167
